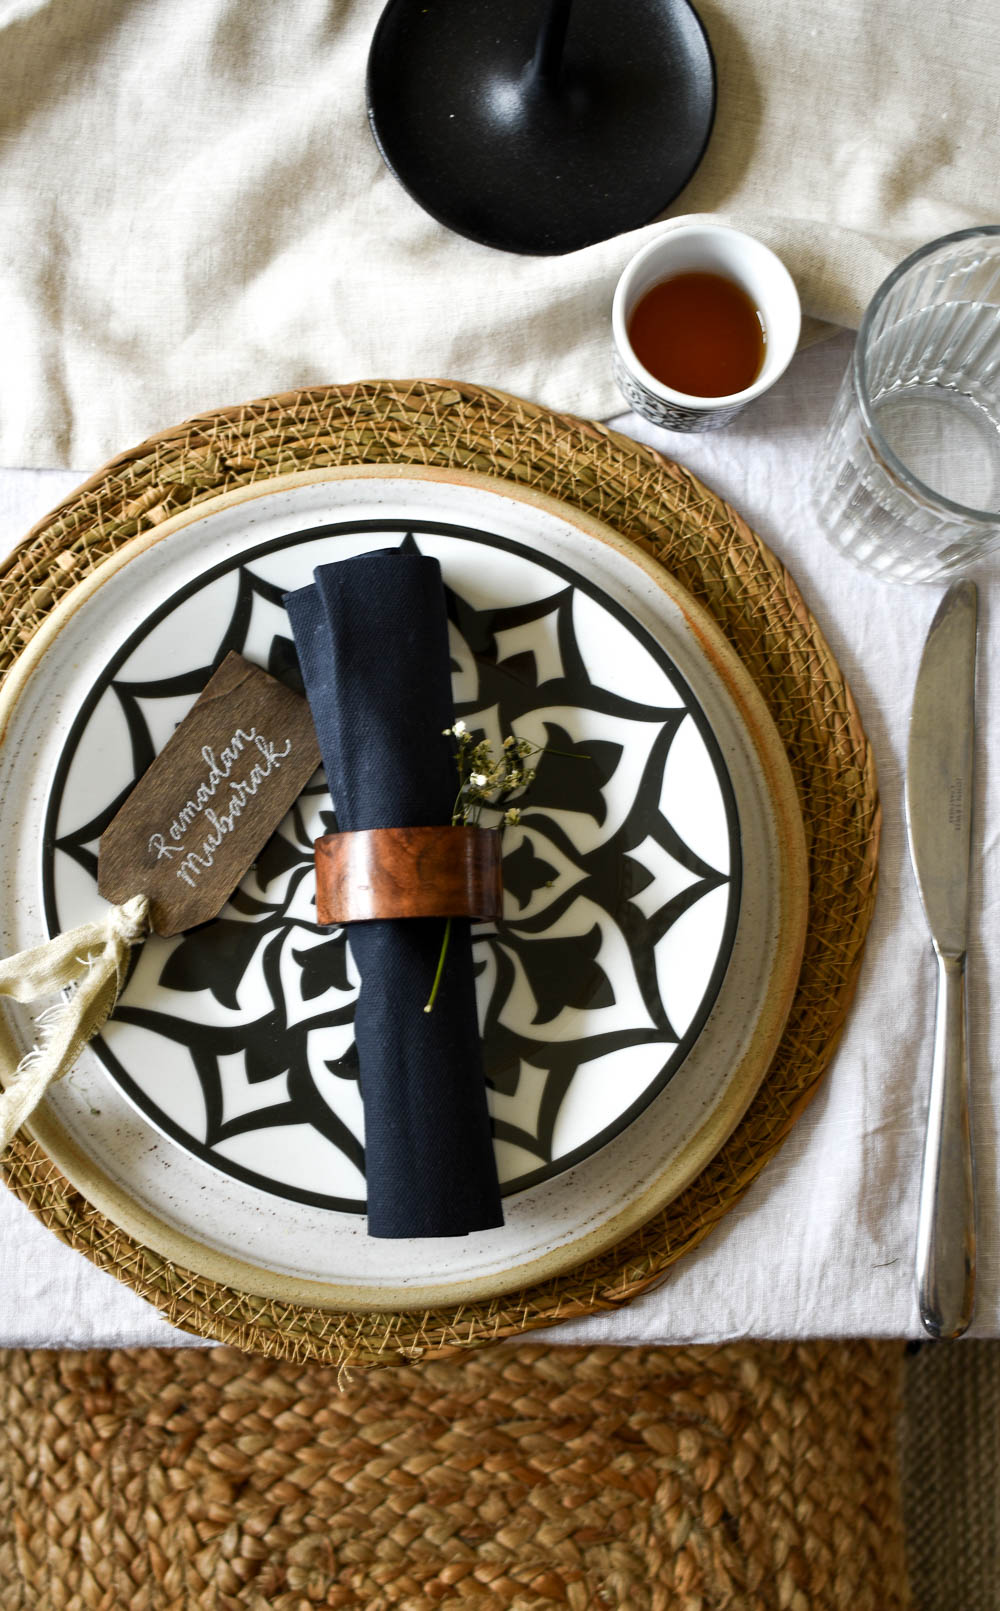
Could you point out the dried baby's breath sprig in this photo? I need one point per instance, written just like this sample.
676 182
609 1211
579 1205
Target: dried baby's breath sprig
485 780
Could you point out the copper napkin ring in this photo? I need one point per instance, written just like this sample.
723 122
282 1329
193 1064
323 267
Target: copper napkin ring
408 872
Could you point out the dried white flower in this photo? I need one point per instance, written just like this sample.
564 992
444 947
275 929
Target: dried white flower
495 777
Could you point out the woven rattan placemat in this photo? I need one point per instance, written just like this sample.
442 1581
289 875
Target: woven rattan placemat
713 553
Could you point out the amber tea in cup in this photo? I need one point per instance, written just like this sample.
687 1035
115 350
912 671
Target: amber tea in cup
699 333
705 318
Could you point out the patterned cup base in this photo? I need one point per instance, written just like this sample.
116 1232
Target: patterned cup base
672 416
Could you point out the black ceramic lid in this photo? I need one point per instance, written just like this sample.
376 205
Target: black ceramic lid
541 127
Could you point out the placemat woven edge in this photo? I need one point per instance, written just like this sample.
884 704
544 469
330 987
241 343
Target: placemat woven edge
712 551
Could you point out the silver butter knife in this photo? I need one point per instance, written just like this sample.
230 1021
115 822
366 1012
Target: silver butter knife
939 823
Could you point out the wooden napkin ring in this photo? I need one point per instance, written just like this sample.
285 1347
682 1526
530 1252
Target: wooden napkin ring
408 872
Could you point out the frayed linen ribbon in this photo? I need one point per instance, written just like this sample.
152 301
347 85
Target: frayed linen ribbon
92 961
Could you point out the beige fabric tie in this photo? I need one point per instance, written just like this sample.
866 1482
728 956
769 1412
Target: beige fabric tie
93 960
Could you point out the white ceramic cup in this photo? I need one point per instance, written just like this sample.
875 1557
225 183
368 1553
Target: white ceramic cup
714 249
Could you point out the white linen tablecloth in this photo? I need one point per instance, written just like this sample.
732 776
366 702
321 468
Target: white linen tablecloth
193 211
822 1244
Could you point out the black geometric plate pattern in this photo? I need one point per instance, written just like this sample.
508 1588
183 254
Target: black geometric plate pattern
236 1039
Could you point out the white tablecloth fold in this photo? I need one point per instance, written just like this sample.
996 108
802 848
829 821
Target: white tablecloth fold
193 212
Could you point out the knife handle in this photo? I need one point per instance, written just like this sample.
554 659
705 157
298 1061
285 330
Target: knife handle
946 1225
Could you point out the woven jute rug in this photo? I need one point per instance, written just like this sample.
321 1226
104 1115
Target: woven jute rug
752 1477
951 1474
716 557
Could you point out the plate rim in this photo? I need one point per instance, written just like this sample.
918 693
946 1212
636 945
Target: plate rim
714 1128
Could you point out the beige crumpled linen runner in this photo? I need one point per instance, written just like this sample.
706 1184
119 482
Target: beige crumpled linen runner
193 212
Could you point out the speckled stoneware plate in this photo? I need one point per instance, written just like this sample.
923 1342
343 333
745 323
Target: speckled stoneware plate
630 999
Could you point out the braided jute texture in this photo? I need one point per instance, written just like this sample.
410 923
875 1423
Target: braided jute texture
713 553
753 1477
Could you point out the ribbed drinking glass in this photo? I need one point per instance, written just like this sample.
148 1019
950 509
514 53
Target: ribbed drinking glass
907 481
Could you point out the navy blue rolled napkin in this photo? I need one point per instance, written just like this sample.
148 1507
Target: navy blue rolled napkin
371 636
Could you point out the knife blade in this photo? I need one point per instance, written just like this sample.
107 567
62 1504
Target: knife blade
939 773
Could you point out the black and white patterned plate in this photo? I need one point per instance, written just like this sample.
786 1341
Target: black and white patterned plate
630 999
622 880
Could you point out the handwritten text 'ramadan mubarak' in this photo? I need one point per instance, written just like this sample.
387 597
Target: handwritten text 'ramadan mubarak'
199 811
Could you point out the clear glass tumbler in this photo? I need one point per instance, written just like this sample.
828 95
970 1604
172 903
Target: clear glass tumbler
907 481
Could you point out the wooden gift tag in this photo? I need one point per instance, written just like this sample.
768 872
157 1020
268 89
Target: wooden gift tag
196 820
